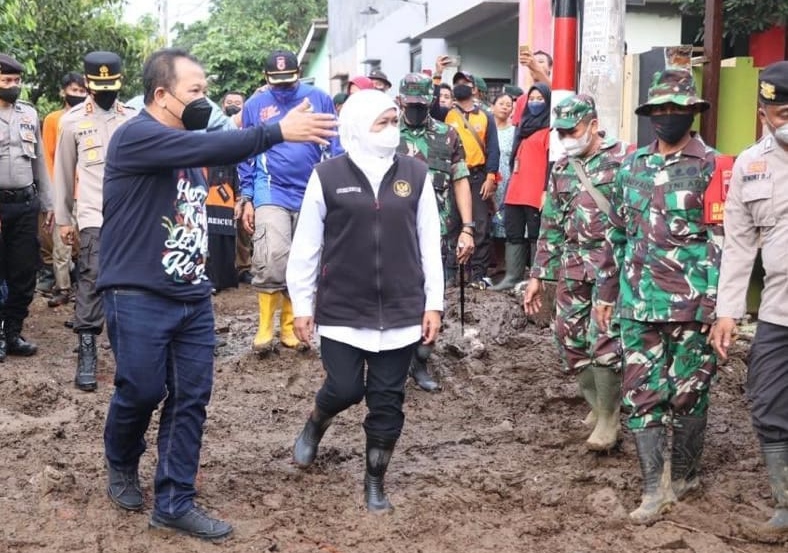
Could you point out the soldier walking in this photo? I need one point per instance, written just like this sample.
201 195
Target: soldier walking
439 146
667 259
575 221
85 131
24 191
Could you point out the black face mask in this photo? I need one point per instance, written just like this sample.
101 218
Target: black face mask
672 127
10 94
229 111
416 114
72 100
105 98
196 114
462 92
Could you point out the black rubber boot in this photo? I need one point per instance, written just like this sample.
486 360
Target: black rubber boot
85 378
379 451
305 448
775 455
658 495
15 343
418 368
123 488
689 433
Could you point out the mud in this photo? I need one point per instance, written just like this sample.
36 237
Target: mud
493 463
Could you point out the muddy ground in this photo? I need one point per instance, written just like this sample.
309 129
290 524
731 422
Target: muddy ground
493 463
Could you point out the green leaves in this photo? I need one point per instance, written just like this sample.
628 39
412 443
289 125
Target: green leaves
742 17
237 37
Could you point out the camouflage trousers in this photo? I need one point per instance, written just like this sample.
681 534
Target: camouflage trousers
668 369
580 342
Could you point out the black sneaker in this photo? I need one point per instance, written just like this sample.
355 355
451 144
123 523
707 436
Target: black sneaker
196 523
123 488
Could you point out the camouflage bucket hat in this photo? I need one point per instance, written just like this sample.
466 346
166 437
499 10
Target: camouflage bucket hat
672 86
416 88
571 110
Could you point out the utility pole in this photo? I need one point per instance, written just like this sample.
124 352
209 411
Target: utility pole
602 65
712 51
564 50
164 27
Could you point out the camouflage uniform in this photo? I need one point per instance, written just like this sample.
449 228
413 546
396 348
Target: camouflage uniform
438 145
572 246
667 288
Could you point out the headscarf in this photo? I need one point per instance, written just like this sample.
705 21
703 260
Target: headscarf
355 120
530 123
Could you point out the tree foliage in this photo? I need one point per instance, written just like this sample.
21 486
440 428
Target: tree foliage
741 18
51 37
238 35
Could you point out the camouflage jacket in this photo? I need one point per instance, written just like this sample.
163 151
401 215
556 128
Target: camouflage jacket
572 237
438 145
667 259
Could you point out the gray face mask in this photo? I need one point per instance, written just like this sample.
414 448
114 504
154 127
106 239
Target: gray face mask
780 133
576 147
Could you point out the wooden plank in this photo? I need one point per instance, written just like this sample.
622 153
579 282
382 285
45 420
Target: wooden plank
712 49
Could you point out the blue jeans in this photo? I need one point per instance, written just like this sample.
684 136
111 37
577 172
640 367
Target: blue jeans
163 351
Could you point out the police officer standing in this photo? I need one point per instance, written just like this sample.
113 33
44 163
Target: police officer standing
84 135
438 145
24 191
755 216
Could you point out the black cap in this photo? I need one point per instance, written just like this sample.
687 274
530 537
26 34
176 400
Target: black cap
9 66
463 75
102 70
281 67
378 75
773 84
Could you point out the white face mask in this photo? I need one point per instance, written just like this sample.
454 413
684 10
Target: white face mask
780 133
383 143
575 147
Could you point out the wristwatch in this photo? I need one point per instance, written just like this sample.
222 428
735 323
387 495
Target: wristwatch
472 224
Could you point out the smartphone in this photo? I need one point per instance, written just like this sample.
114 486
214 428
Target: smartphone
454 61
524 49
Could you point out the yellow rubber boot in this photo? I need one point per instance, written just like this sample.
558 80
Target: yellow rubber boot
264 339
287 333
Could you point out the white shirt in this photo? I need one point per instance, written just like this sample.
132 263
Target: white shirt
304 261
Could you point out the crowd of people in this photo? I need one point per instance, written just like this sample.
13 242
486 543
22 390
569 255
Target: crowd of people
351 227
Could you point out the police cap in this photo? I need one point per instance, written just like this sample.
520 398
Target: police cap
102 70
9 66
773 84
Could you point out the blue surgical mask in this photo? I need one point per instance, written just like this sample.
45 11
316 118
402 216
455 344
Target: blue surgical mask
536 107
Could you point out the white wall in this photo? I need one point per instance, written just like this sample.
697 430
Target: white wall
645 30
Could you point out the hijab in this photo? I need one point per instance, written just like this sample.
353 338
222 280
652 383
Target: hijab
530 123
355 121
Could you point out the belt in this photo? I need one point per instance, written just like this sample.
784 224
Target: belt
477 169
17 195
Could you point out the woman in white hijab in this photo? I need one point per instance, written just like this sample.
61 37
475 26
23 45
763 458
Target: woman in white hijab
369 227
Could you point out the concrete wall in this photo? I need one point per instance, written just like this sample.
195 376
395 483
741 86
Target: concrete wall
319 67
654 25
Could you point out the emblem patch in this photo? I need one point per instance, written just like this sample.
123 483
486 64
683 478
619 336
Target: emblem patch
402 189
281 64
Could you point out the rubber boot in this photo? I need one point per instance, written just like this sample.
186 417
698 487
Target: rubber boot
264 339
418 368
657 495
379 451
286 331
305 448
85 378
689 433
515 267
587 385
775 455
3 347
608 408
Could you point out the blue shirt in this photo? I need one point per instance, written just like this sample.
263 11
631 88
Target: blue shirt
154 235
279 176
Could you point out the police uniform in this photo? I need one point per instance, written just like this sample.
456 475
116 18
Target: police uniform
756 216
24 191
84 134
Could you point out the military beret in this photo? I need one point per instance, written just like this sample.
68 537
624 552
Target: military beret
513 90
102 70
773 84
10 66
